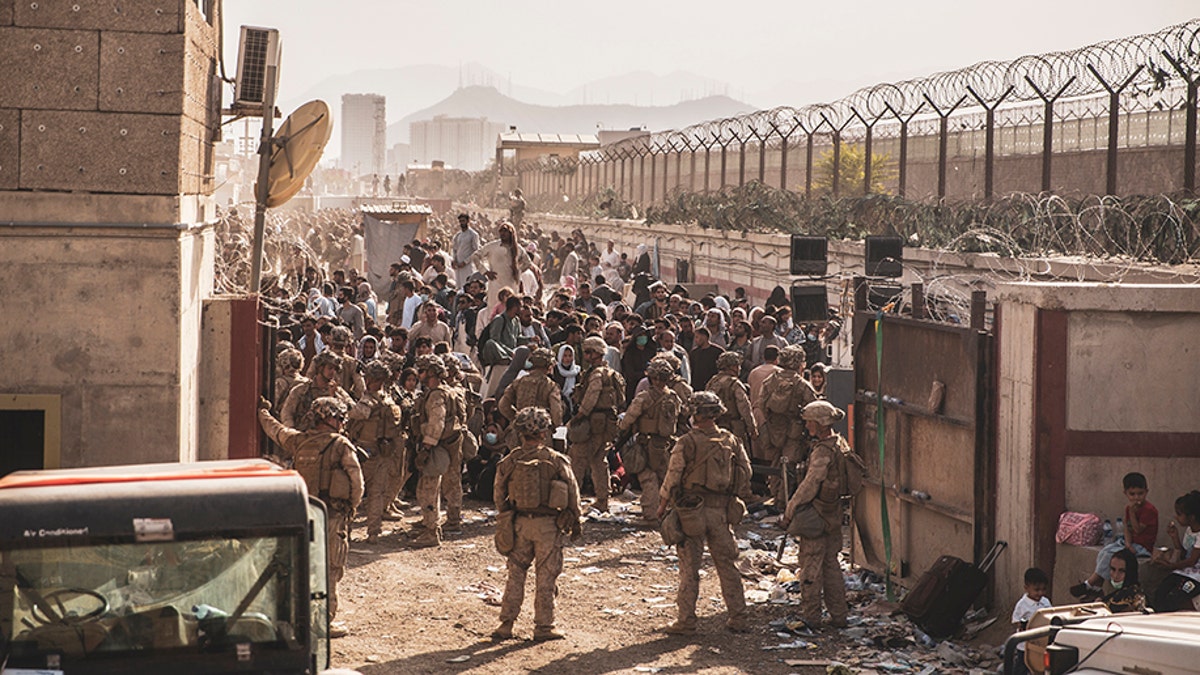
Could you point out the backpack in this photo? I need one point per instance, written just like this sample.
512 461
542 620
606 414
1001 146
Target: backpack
854 472
618 385
779 398
526 487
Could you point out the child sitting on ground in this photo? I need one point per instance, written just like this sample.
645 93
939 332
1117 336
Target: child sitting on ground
1036 583
1138 535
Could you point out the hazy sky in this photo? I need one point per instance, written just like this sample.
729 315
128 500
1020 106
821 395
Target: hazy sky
753 45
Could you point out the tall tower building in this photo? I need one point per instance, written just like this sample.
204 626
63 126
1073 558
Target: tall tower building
364 134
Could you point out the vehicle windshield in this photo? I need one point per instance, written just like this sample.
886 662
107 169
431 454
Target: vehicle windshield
208 594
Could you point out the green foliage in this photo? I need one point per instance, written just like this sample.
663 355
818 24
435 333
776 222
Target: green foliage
851 174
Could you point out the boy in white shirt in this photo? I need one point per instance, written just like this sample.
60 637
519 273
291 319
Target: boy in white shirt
1036 583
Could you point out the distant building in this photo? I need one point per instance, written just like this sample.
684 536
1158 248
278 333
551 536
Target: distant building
609 136
399 156
461 142
364 134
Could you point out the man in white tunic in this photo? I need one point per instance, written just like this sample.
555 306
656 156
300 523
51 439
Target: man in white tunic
502 261
465 244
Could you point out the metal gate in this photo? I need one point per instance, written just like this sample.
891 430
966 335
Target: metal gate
934 471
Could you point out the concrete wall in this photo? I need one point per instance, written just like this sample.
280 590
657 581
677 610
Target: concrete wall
108 115
215 370
96 317
1096 381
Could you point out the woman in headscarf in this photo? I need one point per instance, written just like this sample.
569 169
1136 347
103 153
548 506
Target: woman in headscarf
641 263
778 298
368 349
566 374
1122 592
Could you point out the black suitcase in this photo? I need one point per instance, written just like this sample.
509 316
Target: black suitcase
937 603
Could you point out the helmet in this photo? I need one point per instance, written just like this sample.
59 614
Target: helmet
289 360
729 360
594 344
823 413
327 359
453 366
707 404
531 421
432 363
340 335
328 406
541 358
792 357
671 360
659 369
378 370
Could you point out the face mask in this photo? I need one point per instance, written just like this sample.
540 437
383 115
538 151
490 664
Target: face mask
642 340
490 438
1117 584
528 365
812 338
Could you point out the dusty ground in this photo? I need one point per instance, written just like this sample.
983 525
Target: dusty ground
432 610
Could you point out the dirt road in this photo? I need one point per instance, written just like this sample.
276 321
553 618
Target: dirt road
432 610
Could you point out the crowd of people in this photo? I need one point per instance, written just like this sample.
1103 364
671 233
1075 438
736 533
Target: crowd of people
492 342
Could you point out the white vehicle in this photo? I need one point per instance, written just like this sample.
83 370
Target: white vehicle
1142 644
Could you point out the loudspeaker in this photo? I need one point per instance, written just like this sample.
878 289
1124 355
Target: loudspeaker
884 256
879 295
810 255
810 303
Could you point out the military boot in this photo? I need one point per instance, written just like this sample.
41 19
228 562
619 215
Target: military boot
428 539
504 631
544 633
681 627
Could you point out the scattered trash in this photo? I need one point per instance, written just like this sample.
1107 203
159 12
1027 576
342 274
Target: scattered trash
484 591
647 669
373 658
795 644
459 659
590 570
493 569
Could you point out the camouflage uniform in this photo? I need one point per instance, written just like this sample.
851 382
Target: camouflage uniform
655 412
351 379
296 407
784 438
287 366
438 424
691 474
535 389
822 486
375 425
597 396
735 396
538 531
682 389
335 477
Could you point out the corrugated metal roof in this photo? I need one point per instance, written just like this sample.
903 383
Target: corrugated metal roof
583 140
398 208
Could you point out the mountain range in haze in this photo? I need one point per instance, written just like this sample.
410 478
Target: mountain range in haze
634 99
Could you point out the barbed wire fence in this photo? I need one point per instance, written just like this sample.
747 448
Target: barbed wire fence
1019 146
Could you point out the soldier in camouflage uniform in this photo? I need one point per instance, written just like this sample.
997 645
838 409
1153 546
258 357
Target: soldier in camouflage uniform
785 393
327 462
822 487
535 389
468 404
735 396
681 387
288 363
437 424
352 379
597 397
538 484
654 413
325 381
375 425
708 467
402 398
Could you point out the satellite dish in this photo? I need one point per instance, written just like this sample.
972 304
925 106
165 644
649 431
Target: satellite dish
296 149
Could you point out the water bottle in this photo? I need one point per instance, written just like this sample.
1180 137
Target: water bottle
1120 531
1108 532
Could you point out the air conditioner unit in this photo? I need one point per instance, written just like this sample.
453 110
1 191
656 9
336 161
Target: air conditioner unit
258 49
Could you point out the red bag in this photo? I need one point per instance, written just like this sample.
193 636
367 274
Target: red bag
1079 529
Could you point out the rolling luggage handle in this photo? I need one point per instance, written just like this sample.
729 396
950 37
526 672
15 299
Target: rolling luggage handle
989 559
